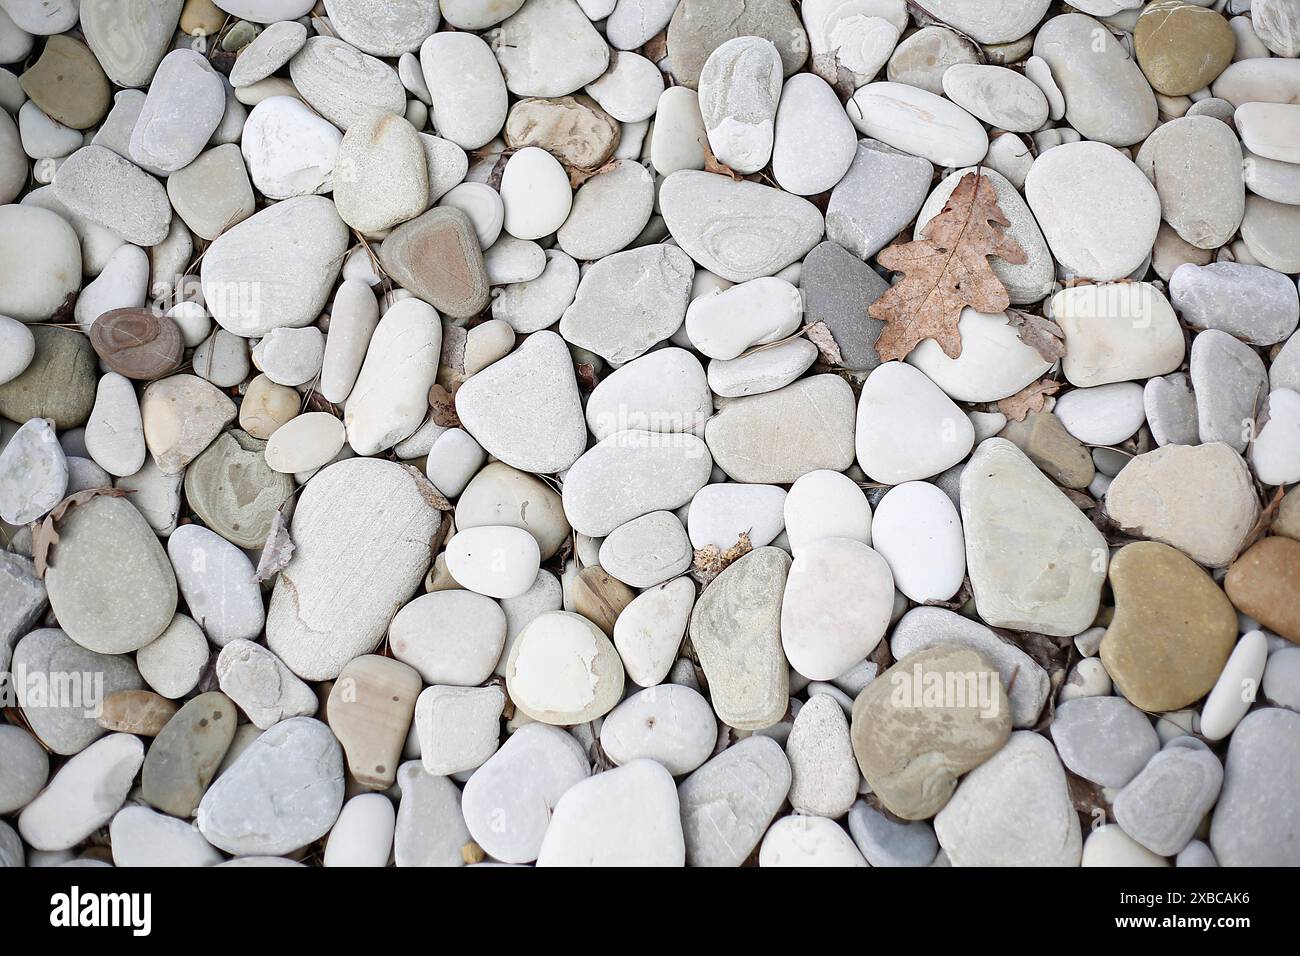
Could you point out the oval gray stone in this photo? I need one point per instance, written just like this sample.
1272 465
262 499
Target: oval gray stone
283 792
1104 739
1164 804
776 437
1107 97
276 268
632 473
738 230
109 582
1257 819
62 687
342 83
113 192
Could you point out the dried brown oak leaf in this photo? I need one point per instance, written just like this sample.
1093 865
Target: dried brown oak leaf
46 534
946 270
1032 398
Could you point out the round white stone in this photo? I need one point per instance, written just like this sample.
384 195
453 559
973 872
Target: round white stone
363 833
670 724
826 504
723 324
305 443
994 362
1115 234
838 600
1104 414
450 637
907 428
536 194
916 529
497 561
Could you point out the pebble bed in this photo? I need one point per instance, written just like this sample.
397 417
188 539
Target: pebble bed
454 433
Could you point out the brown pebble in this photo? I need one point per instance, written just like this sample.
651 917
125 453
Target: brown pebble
136 712
600 598
369 709
1264 583
437 256
1172 631
138 344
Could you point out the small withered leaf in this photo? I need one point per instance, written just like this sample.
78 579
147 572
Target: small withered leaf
45 534
1032 398
945 271
1042 335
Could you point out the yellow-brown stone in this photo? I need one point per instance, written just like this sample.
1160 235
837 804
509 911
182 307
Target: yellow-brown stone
1172 631
1182 47
201 18
1264 583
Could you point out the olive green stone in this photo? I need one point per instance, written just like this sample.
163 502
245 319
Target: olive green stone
1182 47
68 83
1172 631
930 718
1056 452
59 384
185 755
231 487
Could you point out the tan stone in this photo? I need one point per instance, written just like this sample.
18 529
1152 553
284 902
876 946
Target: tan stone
600 598
182 415
1264 583
1046 443
1198 498
201 18
370 709
136 712
1182 47
573 129
930 718
437 257
267 406
68 83
1172 631
1287 520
